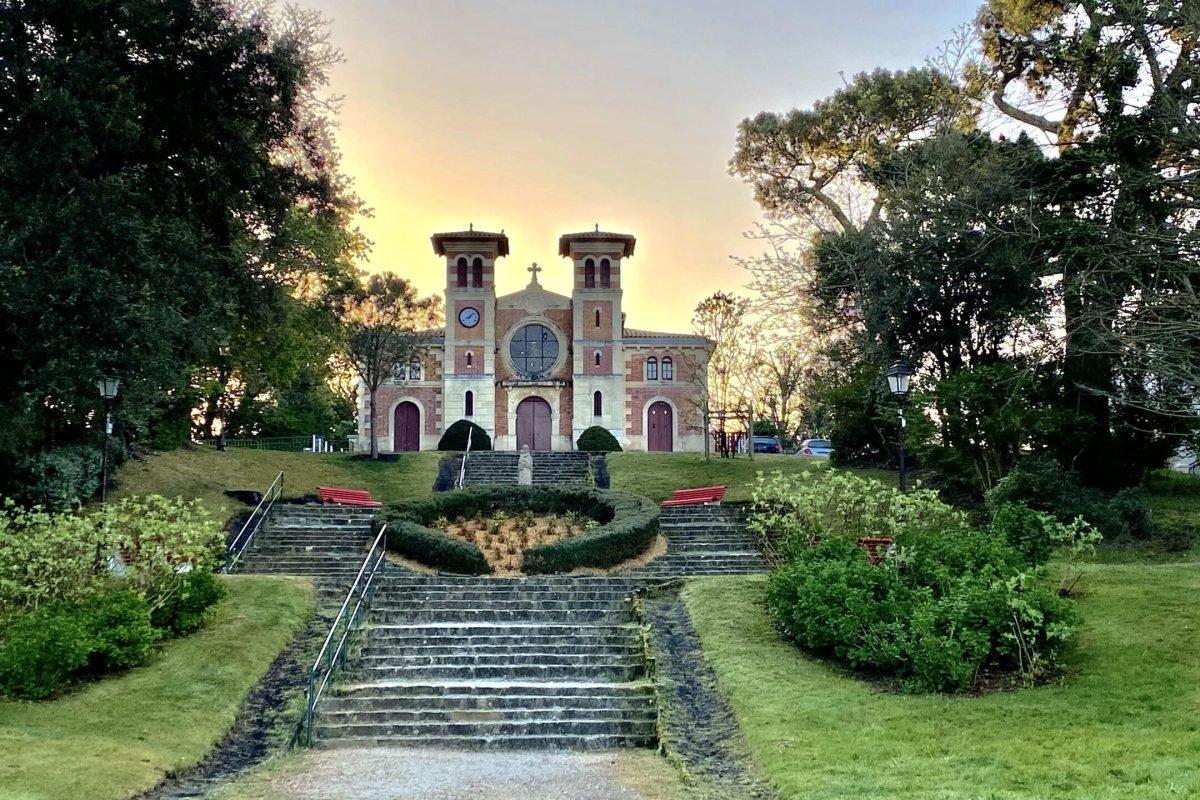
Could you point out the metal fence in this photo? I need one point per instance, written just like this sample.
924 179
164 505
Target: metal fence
292 444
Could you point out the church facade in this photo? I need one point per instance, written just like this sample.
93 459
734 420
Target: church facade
538 368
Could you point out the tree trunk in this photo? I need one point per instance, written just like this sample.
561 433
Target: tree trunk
371 426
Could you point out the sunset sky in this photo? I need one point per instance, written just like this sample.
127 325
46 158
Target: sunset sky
542 118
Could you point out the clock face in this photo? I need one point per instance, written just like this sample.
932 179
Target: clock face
469 317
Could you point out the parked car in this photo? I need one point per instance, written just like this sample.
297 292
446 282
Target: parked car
767 444
815 447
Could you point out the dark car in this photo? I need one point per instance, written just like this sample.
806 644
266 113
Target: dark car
767 444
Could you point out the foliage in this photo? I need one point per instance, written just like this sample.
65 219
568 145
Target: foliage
182 608
176 234
59 479
42 649
627 525
791 511
455 437
51 645
45 557
1043 485
598 439
943 604
384 325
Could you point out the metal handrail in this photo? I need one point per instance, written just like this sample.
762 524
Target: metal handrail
462 470
240 542
329 661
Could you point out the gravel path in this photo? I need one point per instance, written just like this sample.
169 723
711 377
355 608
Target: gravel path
419 774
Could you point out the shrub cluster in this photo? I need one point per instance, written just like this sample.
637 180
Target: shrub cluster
945 603
598 439
1043 485
67 617
455 437
64 641
628 524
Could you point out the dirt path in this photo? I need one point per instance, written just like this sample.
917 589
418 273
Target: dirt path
418 774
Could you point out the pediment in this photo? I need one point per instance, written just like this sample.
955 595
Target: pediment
533 299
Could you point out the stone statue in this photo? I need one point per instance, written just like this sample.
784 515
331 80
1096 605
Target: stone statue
525 467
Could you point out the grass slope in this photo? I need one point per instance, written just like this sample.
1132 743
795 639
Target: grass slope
205 472
656 475
1123 726
120 736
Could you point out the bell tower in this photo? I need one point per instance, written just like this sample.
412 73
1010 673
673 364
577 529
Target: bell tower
599 368
469 387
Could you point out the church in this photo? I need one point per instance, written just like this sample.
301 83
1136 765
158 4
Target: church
538 368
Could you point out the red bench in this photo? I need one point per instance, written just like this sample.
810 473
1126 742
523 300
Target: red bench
873 543
346 497
691 497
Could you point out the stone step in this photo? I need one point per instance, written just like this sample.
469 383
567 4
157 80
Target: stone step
487 594
454 692
497 615
509 646
615 672
643 727
481 631
434 705
551 604
488 741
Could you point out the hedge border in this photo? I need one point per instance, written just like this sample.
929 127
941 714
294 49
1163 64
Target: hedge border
628 524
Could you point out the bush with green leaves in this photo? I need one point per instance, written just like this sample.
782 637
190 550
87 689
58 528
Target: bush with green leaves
626 525
47 647
61 478
455 437
599 440
946 602
1042 484
179 606
790 511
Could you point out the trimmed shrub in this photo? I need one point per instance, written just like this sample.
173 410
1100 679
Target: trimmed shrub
46 648
42 650
628 524
62 478
119 632
598 439
178 607
435 548
455 437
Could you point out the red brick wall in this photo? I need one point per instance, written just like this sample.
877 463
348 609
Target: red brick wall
460 360
590 330
464 333
566 410
452 273
589 361
501 411
430 398
638 397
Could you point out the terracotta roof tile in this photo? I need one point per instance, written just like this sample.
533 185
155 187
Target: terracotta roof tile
628 240
439 240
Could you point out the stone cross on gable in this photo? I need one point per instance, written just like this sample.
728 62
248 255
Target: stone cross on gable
534 270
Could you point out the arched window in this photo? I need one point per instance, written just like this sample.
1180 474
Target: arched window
651 368
462 272
589 274
605 274
668 369
469 404
470 358
597 358
597 318
477 273
597 404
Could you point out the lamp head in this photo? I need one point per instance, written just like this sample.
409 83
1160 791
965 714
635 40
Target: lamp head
108 386
898 379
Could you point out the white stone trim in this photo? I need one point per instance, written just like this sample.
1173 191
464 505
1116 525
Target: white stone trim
564 343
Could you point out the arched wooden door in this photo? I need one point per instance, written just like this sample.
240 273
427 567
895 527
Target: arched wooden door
406 428
659 438
533 424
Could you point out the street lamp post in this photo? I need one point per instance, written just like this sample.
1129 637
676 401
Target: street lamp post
223 372
898 378
108 387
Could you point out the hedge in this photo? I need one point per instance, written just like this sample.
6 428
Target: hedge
598 439
628 524
455 437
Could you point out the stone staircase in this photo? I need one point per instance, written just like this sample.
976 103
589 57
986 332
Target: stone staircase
703 540
493 663
486 467
325 542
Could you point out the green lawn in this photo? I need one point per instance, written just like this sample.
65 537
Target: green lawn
121 735
1124 725
204 472
656 475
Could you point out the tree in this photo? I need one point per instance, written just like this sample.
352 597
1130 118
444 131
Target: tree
164 170
385 325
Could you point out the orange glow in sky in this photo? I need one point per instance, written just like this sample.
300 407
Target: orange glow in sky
544 118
